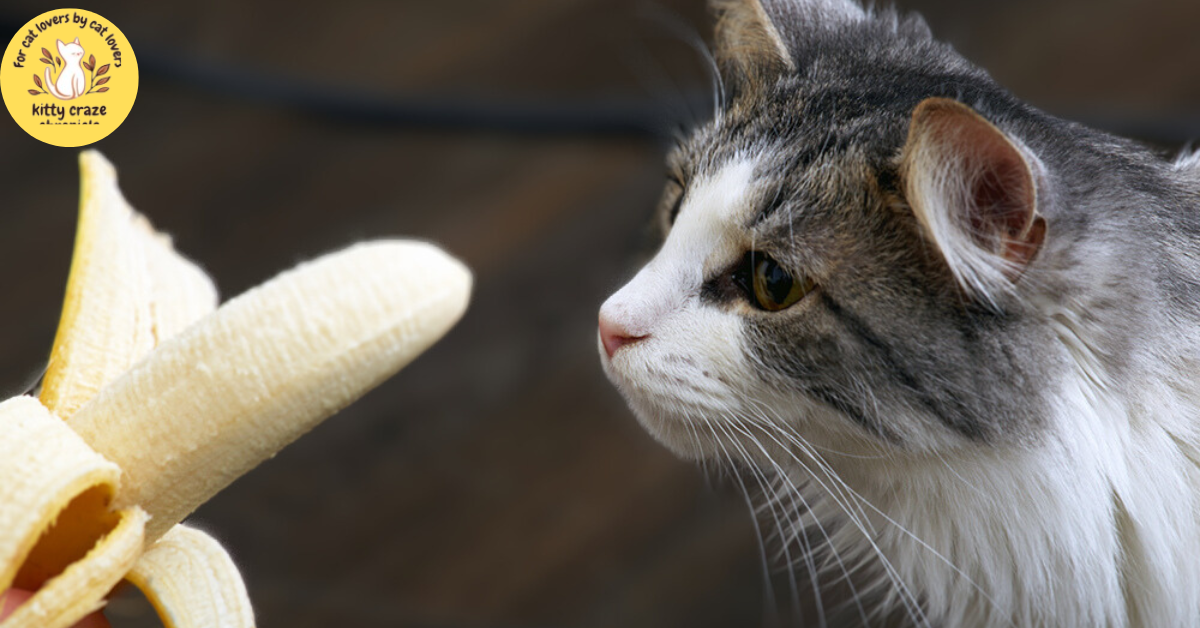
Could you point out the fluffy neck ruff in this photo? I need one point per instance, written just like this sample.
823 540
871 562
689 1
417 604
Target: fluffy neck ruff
1097 524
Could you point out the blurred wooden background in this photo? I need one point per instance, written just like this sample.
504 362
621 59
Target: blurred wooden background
499 480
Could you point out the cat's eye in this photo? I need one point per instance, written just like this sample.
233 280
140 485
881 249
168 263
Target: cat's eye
773 287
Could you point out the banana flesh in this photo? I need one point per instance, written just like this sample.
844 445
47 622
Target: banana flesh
233 389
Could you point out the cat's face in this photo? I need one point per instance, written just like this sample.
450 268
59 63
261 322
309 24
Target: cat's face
847 254
70 51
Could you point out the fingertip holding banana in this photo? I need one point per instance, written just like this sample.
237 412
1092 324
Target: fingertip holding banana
153 402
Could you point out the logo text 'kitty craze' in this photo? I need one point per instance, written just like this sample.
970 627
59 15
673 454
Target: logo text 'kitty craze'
60 111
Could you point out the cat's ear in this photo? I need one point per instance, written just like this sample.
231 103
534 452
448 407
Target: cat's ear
61 45
974 191
76 42
747 40
756 37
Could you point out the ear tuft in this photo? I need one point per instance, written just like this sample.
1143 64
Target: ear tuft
747 40
760 37
975 195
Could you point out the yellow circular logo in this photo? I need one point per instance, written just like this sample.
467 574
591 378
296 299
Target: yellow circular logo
69 77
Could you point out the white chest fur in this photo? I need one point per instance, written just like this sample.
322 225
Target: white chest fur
1098 524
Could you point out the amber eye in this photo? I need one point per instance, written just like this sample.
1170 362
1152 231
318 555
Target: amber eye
774 288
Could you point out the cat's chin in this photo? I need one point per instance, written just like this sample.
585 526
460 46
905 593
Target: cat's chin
696 440
672 431
675 433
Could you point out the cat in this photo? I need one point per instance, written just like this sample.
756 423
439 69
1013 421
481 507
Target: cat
956 340
71 83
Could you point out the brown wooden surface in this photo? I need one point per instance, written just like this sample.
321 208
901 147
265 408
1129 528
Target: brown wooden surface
498 481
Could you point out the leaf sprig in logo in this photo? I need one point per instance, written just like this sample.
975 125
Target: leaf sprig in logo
94 84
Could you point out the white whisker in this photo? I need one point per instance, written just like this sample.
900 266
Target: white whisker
907 597
756 473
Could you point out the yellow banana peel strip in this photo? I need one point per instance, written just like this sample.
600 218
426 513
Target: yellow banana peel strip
192 582
166 402
127 288
57 533
80 589
180 293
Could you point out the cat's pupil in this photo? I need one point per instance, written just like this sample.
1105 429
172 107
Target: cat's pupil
768 285
779 283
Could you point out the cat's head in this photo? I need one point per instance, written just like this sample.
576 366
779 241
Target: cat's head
855 247
72 50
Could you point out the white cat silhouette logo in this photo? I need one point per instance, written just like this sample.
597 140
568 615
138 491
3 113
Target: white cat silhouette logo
72 81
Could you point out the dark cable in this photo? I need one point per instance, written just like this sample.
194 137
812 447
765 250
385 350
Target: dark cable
607 118
610 118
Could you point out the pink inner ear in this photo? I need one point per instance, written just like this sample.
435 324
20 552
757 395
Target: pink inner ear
1002 195
964 174
1003 202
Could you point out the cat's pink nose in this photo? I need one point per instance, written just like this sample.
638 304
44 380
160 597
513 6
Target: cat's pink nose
613 336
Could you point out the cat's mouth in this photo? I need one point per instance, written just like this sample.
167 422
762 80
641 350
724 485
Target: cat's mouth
671 403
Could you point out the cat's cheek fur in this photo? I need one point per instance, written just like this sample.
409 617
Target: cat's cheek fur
690 368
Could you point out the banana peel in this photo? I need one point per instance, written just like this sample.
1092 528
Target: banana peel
155 399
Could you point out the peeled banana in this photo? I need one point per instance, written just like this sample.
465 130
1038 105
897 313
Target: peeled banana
155 399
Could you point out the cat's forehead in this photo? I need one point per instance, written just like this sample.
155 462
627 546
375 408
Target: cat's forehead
783 160
784 132
723 197
845 97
